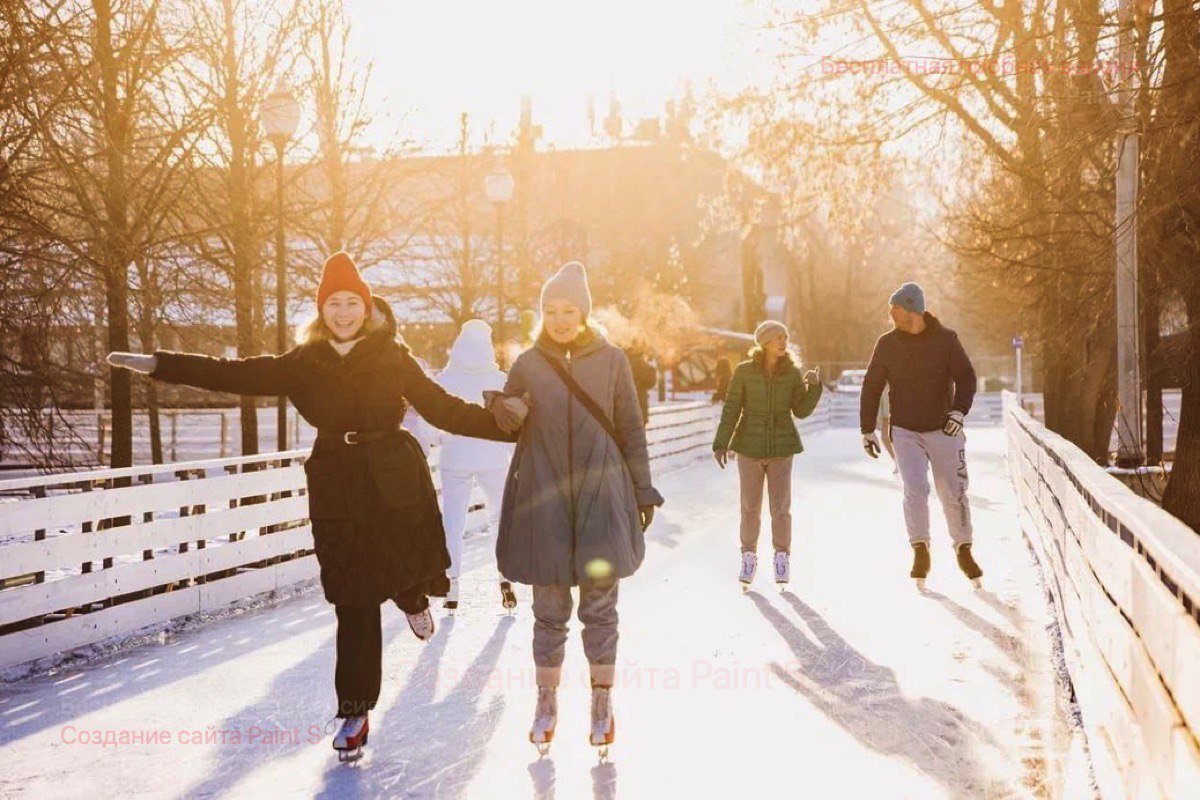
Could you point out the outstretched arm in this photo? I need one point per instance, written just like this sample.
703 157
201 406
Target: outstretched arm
260 375
446 411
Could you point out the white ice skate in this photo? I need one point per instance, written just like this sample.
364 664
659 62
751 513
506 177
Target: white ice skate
350 738
545 718
749 567
783 569
422 624
604 726
451 604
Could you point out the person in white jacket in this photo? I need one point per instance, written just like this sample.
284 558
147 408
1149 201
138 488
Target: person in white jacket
465 462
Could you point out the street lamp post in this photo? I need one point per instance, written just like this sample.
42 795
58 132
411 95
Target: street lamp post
280 115
499 187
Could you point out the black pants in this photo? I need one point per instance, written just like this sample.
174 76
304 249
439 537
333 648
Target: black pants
359 671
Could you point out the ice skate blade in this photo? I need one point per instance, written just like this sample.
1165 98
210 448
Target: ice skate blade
920 584
350 755
745 586
977 583
602 753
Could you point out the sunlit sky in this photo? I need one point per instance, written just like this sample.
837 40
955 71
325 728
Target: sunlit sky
437 58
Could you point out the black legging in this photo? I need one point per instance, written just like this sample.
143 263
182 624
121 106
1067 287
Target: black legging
359 671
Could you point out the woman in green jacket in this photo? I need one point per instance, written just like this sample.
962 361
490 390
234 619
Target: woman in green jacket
756 424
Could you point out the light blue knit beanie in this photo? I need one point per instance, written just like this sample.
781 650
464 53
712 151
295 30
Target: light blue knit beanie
910 297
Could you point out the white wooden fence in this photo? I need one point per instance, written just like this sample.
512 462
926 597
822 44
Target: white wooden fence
86 556
1125 579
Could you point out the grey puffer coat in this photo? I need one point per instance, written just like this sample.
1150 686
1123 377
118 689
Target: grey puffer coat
570 513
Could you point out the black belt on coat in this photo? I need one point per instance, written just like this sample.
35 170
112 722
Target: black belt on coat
354 437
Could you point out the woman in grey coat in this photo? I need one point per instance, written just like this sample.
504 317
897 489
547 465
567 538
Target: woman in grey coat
577 502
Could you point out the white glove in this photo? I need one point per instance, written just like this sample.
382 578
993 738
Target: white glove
870 443
954 424
134 361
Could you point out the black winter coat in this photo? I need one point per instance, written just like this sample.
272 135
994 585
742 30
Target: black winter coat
376 525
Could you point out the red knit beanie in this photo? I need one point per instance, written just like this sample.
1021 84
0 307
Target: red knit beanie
341 274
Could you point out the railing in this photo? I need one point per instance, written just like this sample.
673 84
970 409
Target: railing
1125 579
1172 401
86 556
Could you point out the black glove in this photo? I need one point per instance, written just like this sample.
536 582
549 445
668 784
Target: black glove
870 443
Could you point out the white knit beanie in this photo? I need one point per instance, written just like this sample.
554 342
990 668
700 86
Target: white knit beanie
569 283
768 330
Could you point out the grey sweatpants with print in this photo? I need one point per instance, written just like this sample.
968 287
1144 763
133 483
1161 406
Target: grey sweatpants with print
597 612
916 454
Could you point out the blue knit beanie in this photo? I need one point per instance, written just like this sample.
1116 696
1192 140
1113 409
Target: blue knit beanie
910 297
569 283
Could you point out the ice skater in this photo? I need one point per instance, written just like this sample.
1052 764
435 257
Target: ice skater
467 461
766 391
931 385
376 526
578 498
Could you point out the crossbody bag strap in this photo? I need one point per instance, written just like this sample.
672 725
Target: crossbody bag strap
586 399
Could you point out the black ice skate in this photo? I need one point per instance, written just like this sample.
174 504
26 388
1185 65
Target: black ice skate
920 567
966 562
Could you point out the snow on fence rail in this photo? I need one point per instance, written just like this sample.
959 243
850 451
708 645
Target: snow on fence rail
1125 579
86 556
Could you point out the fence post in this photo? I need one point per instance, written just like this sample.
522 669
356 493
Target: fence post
174 435
224 433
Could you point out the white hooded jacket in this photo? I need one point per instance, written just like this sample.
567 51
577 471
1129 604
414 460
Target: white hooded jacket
471 371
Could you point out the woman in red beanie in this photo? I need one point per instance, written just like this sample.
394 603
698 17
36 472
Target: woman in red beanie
376 526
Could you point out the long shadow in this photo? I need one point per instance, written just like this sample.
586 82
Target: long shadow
865 698
311 712
1006 643
86 688
430 748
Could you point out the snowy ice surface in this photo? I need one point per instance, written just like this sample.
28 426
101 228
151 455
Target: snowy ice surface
852 684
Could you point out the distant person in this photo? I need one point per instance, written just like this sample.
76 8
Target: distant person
645 378
723 375
465 461
766 391
931 385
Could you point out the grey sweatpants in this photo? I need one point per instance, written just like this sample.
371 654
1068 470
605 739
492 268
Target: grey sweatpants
916 453
597 612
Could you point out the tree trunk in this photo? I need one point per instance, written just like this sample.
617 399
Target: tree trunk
115 235
1182 495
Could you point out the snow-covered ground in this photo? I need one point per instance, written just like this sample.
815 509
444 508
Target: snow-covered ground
852 685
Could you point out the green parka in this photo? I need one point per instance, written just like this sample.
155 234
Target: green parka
757 418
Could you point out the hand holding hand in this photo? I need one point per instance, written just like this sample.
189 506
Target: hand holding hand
870 443
133 361
647 515
510 412
954 424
